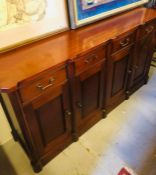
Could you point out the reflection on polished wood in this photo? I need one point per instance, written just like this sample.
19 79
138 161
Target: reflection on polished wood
29 60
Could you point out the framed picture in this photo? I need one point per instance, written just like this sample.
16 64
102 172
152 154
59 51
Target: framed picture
82 12
25 21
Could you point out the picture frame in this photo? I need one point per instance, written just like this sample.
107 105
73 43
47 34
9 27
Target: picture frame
26 21
82 12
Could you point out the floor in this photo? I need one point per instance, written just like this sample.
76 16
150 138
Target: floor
127 138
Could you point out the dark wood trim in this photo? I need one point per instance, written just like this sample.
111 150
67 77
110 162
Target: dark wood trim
28 144
71 77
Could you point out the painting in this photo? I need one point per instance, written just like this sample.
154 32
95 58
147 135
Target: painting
86 11
25 21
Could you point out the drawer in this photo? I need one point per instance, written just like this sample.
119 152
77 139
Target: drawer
89 59
147 29
123 41
36 86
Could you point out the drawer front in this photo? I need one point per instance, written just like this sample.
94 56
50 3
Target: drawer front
147 29
87 60
29 89
123 41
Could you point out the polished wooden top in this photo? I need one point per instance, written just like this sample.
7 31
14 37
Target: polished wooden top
32 59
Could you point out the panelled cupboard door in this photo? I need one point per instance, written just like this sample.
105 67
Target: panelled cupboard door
49 120
117 75
142 59
89 87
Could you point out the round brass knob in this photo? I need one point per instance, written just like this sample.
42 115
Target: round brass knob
68 113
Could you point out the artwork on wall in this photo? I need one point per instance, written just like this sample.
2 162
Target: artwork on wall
86 11
25 21
151 4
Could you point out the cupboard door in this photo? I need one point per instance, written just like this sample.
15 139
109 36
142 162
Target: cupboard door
89 94
117 76
142 59
49 121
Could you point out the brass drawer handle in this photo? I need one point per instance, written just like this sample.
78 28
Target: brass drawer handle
125 43
149 29
41 87
91 58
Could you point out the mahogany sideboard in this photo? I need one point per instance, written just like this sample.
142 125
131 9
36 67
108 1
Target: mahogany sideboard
55 89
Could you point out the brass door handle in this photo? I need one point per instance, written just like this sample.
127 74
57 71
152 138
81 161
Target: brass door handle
124 43
41 87
67 113
129 71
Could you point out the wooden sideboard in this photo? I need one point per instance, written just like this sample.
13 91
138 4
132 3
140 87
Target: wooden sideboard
57 88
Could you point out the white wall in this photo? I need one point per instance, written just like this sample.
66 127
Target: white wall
5 130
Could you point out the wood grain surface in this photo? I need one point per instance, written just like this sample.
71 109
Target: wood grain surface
30 60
